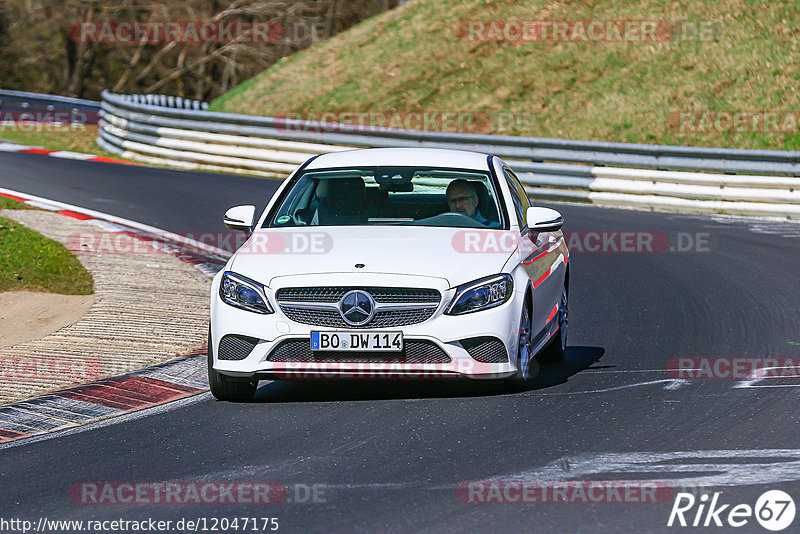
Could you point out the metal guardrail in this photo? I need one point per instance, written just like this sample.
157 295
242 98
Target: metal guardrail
35 107
615 174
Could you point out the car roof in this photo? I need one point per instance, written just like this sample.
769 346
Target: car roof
399 157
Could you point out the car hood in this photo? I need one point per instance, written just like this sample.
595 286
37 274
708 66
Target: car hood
418 251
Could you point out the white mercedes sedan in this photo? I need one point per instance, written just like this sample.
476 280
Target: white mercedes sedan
391 263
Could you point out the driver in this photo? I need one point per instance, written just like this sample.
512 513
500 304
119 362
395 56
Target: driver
462 197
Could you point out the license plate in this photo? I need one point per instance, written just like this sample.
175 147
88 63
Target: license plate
357 341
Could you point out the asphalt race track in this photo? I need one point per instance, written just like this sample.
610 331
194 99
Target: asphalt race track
388 456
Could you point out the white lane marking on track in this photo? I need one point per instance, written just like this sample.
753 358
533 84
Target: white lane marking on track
714 468
772 386
615 388
758 376
676 384
111 420
119 220
763 225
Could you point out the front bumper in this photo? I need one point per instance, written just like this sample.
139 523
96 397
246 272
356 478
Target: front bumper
441 333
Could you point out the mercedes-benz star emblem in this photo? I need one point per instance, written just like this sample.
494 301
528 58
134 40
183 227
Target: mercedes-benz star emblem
357 307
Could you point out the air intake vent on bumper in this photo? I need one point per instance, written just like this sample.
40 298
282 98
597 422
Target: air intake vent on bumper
485 349
235 347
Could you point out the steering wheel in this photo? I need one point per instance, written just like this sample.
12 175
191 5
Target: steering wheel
455 219
452 213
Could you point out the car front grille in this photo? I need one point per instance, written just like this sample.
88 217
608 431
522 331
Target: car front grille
485 349
414 351
380 294
235 347
317 306
333 319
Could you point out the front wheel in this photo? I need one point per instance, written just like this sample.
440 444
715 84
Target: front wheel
556 350
527 367
228 388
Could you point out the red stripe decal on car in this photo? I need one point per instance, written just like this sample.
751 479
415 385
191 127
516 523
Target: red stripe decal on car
540 256
552 313
540 280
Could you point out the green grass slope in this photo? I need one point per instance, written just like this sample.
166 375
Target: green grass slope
30 261
416 58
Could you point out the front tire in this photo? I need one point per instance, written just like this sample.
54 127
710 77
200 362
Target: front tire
527 367
556 350
228 388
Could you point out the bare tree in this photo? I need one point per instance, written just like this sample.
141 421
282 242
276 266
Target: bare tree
41 49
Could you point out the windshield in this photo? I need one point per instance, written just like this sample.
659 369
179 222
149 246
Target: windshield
390 196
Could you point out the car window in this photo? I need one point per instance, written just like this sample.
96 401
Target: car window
520 201
390 196
526 202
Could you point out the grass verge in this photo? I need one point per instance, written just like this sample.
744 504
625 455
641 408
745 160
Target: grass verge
71 139
31 261
11 204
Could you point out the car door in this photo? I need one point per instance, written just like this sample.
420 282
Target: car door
543 261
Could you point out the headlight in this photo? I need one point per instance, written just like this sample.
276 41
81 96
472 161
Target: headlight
241 292
482 294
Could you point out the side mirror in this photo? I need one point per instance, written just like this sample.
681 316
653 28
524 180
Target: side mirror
543 219
240 218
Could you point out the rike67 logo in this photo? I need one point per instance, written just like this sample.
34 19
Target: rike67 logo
774 510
